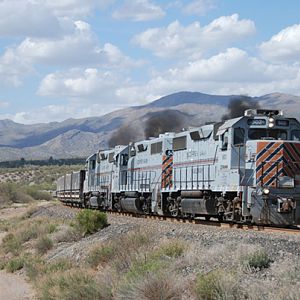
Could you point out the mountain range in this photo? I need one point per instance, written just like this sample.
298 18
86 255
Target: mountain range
82 137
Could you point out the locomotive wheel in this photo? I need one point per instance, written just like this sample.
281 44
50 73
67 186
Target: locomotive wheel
173 209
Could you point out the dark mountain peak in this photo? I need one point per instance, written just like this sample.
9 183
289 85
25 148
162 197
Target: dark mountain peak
189 97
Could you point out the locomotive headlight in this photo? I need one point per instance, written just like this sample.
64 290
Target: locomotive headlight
271 122
266 191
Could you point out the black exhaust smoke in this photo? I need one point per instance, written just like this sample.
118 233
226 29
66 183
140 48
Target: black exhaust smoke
123 136
237 106
163 121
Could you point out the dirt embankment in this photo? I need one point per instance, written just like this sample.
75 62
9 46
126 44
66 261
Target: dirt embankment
14 286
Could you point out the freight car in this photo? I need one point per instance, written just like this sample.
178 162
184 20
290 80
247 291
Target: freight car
245 169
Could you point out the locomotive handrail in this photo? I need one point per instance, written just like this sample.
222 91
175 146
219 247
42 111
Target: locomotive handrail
135 181
198 183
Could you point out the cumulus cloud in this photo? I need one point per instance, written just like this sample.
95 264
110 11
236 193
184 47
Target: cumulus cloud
27 18
80 48
88 83
231 71
138 10
75 8
284 46
13 68
192 40
199 7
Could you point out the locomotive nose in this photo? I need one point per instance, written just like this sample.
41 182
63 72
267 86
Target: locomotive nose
278 164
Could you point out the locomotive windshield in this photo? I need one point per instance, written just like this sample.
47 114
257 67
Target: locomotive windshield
296 135
264 133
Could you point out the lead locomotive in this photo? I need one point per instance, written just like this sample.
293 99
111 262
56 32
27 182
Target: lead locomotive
245 169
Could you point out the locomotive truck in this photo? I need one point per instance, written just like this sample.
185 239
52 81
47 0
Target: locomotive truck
245 169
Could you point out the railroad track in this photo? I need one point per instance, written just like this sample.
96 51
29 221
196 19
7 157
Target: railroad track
215 223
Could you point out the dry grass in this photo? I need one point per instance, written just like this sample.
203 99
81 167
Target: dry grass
43 244
217 285
152 286
75 284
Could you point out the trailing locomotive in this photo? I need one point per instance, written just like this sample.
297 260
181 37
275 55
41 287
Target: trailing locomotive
245 169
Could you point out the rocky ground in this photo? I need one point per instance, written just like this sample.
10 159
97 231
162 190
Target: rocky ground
208 249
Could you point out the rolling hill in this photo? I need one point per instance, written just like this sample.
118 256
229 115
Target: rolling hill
81 137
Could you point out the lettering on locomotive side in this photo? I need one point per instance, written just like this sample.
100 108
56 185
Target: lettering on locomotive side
142 161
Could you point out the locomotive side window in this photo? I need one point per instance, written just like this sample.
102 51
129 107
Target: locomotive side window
142 147
263 133
103 156
296 135
156 148
239 136
111 157
124 160
195 136
224 140
92 165
179 143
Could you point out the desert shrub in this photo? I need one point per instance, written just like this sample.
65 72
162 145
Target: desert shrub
90 221
66 233
151 286
35 228
100 255
146 266
36 267
36 193
58 266
130 248
26 230
15 264
69 285
216 285
43 244
172 249
12 193
257 260
11 243
3 263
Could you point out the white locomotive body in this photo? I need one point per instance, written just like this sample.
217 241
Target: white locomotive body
245 169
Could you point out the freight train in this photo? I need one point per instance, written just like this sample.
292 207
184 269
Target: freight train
245 169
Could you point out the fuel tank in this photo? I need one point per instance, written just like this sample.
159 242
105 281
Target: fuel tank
198 206
130 205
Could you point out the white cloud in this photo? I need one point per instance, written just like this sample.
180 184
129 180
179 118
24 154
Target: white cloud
192 40
13 68
90 83
27 18
44 18
138 10
81 48
284 46
229 72
75 8
199 7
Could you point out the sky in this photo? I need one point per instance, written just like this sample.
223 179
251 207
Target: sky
63 59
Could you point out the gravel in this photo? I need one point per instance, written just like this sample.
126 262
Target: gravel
277 245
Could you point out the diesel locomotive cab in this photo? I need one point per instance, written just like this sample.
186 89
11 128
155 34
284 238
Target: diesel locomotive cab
271 178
